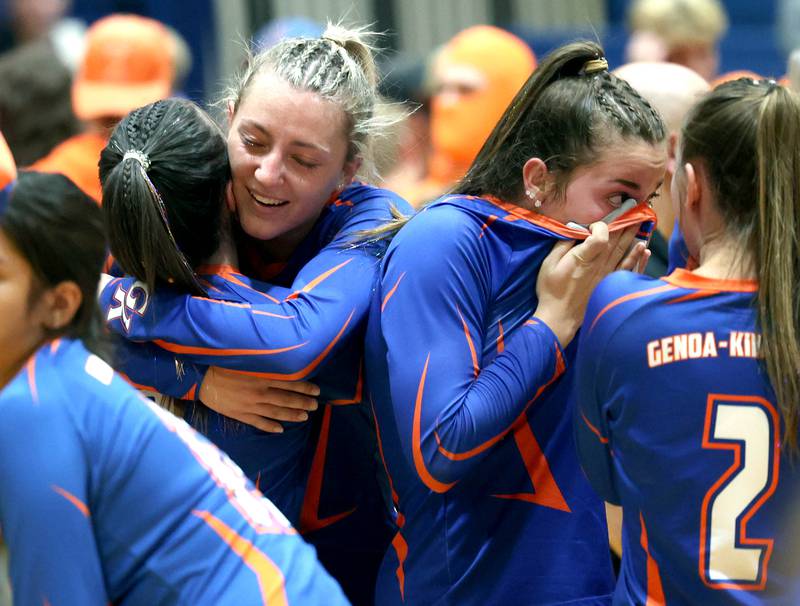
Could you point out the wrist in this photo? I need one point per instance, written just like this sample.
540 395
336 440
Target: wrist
563 328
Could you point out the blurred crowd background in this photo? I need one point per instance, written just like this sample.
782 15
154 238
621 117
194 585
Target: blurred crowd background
45 56
758 36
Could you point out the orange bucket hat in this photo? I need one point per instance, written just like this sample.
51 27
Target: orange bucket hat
128 63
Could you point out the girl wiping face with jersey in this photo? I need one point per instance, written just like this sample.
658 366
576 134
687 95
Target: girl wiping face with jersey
470 345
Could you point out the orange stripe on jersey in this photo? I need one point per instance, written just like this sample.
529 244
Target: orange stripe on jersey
630 297
270 578
700 294
687 279
108 263
392 291
208 285
221 302
257 312
655 592
185 349
463 456
358 395
317 281
309 513
488 224
419 461
133 383
501 345
473 354
546 490
636 215
54 345
301 374
189 395
399 544
30 369
231 274
80 505
594 430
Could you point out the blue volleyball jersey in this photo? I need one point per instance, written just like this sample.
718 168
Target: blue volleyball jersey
677 422
105 498
473 417
312 330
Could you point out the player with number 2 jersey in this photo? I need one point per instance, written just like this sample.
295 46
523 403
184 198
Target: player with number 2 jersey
687 385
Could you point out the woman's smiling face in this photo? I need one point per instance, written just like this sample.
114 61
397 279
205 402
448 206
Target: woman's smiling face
288 152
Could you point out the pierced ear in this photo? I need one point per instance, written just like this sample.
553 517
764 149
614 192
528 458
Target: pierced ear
534 174
60 304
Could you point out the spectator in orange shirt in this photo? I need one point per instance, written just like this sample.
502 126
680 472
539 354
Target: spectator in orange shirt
129 62
476 74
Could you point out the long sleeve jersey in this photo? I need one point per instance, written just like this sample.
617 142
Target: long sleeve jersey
473 417
306 324
105 498
677 422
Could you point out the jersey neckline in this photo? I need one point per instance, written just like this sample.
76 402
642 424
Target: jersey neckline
687 279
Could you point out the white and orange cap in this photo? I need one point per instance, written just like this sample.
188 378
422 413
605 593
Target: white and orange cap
128 64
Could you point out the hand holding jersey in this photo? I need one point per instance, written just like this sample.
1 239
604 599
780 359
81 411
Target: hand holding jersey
572 270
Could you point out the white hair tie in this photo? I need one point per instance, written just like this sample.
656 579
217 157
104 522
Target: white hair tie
139 156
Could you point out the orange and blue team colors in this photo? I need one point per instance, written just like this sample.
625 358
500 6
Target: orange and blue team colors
306 324
473 416
677 422
105 498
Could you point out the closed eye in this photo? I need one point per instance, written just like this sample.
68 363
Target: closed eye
305 163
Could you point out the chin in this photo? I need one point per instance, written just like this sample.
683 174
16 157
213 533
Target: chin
259 229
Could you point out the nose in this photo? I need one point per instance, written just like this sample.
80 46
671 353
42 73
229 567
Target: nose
270 169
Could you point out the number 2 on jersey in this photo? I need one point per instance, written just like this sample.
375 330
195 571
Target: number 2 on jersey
748 427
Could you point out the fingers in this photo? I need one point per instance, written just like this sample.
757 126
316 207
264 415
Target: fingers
302 387
288 399
561 248
261 423
623 249
279 413
636 259
596 244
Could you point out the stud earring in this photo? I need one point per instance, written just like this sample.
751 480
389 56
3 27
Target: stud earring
532 195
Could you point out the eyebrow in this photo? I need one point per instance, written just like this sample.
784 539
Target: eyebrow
634 185
626 183
296 142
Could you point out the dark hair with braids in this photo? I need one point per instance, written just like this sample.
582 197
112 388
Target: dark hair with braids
164 173
564 114
59 231
747 135
339 66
